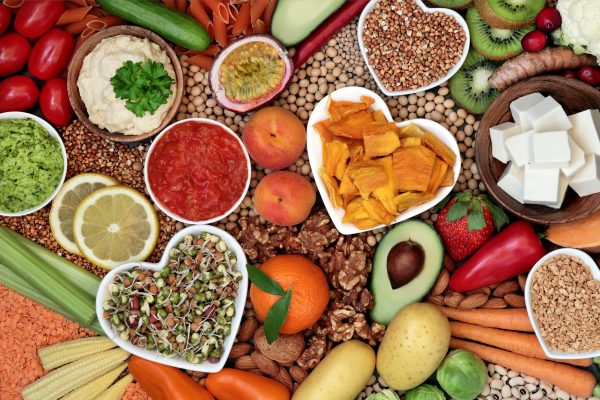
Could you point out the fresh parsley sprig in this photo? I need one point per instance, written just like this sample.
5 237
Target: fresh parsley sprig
144 86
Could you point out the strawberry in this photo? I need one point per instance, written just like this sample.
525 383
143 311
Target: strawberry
466 222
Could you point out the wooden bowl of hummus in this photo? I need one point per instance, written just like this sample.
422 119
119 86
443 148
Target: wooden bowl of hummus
100 71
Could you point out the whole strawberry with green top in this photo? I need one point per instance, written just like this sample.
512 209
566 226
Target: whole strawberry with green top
466 222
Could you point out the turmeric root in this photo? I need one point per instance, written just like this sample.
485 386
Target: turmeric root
527 65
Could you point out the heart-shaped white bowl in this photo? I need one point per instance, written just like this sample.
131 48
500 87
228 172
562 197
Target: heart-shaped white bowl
179 362
315 155
453 70
595 274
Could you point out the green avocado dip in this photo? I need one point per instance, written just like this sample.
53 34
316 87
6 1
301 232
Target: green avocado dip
31 164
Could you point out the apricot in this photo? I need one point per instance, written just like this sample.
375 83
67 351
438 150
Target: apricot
284 198
275 138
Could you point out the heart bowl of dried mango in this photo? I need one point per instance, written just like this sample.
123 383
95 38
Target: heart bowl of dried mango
372 172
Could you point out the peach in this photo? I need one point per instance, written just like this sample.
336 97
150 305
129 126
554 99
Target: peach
275 138
284 198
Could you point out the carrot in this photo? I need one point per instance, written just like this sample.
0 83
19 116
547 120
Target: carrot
575 381
512 319
525 344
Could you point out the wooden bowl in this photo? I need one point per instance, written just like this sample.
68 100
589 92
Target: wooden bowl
75 68
574 96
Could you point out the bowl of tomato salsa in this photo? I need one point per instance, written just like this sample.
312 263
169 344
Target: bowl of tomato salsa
197 171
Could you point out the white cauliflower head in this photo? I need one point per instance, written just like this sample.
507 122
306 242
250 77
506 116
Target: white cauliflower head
580 25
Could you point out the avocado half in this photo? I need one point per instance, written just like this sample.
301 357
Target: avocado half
388 301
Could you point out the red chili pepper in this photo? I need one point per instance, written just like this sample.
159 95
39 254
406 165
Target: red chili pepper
511 252
323 33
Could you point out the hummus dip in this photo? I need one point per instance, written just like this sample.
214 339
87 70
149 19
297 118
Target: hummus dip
104 109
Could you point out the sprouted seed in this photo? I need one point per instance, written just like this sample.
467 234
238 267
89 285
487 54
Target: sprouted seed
184 310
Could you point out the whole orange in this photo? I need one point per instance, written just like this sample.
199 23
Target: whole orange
310 291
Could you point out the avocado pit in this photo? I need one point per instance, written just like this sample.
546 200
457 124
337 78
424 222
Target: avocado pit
404 262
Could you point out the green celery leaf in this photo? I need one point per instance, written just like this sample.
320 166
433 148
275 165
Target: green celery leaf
263 281
276 316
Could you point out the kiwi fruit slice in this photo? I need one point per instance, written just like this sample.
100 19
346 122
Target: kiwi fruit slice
509 14
470 87
455 4
494 43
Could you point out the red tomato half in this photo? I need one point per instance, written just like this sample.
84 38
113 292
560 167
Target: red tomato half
14 50
5 17
51 54
36 17
18 93
54 102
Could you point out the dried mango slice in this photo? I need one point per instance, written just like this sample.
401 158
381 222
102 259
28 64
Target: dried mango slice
381 145
332 188
377 211
353 125
407 200
323 130
385 194
411 141
346 199
412 168
443 151
339 110
367 176
448 178
379 128
357 214
437 175
357 151
347 187
410 130
379 116
335 158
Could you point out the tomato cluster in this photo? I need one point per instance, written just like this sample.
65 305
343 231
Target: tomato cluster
33 41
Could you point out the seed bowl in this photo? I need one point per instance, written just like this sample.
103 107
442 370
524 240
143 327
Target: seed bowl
151 355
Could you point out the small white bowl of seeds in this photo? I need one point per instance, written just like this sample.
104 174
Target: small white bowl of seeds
409 47
561 296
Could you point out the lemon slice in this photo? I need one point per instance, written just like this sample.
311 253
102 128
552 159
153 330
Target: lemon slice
115 225
66 201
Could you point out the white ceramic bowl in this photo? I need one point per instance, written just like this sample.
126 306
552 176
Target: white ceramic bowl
315 155
595 273
53 133
171 213
453 70
179 362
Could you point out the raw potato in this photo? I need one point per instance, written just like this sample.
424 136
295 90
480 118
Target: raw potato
342 374
414 345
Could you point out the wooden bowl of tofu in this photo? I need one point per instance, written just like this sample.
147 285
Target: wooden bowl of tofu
539 154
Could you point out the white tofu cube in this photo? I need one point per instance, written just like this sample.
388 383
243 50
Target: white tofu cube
498 136
577 160
586 130
511 182
518 147
550 150
541 185
518 106
546 116
563 185
587 180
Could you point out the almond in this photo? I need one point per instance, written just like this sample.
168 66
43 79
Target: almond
515 300
285 349
441 283
485 290
473 301
239 349
247 329
453 299
437 300
495 303
245 363
448 263
298 374
285 378
522 280
506 288
265 364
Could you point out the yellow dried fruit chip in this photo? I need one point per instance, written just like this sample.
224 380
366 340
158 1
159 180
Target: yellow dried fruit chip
448 178
407 200
339 110
332 188
410 130
412 168
377 211
411 141
335 158
381 145
347 187
367 176
352 126
379 116
385 194
437 175
443 151
323 130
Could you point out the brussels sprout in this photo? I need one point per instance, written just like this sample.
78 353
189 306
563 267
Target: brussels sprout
462 375
386 394
425 392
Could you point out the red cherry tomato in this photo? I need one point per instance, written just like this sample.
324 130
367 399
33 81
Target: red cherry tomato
534 41
548 20
590 75
51 54
54 102
18 93
36 17
14 50
5 17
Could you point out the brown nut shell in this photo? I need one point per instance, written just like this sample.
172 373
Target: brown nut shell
285 349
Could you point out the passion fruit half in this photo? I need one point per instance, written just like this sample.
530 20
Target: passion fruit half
250 72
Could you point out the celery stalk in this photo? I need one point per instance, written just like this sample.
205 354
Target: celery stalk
30 267
117 391
21 286
85 280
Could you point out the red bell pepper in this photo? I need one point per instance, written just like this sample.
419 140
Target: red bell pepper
511 252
